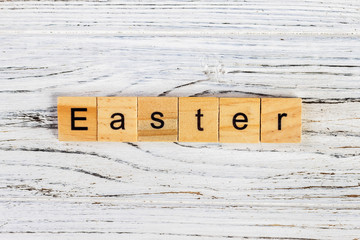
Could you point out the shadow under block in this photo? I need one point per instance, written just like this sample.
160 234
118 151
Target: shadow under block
117 119
77 120
239 120
198 119
158 119
281 120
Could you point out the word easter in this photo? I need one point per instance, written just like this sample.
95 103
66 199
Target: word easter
183 119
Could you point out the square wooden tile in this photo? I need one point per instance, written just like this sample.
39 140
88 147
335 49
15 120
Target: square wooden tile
117 119
239 120
158 119
281 120
198 119
77 120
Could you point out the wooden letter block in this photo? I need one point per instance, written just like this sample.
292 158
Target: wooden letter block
198 119
158 119
280 120
77 120
117 119
239 120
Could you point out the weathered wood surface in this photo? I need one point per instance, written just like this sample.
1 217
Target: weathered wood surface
58 190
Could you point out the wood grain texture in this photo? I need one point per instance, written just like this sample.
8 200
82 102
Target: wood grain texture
281 120
165 112
91 190
77 118
117 119
239 120
198 119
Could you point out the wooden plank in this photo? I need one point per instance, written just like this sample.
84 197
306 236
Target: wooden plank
90 190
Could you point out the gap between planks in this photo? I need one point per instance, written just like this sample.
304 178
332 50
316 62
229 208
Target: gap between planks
207 33
182 203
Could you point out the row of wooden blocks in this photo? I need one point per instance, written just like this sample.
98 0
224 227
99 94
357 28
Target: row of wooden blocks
183 119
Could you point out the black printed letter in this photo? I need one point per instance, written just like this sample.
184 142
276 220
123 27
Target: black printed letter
73 118
279 119
199 115
240 120
122 120
157 120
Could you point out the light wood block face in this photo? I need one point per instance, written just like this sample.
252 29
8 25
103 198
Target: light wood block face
77 120
185 119
198 119
239 120
281 120
117 119
158 119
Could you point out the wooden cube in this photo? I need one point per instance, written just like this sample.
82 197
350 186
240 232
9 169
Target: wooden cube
158 119
198 119
281 120
239 120
117 119
77 120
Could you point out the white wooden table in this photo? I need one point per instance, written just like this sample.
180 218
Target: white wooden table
60 190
